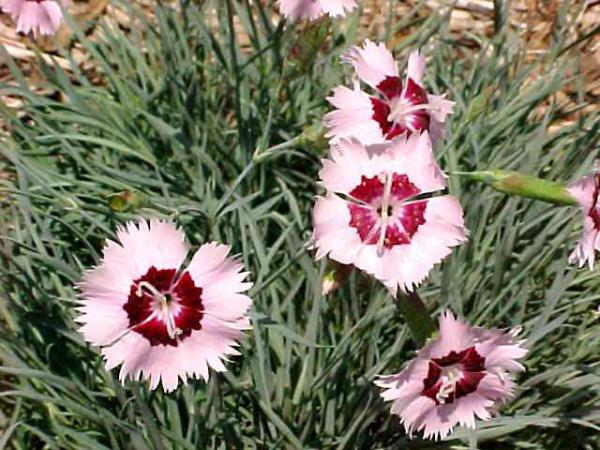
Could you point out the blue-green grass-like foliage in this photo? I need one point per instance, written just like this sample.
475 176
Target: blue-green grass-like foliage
174 130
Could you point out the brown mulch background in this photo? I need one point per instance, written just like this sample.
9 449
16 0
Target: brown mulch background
470 20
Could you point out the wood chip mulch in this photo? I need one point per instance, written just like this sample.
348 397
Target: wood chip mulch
470 22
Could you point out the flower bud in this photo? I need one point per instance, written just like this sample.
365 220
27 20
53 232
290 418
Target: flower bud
515 183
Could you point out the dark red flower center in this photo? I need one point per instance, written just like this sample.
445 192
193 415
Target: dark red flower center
594 212
400 110
164 308
382 217
453 376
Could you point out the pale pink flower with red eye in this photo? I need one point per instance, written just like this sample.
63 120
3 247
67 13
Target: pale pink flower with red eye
157 318
313 9
35 16
399 107
377 214
463 374
587 192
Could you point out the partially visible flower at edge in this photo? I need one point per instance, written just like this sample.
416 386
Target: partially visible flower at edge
313 9
157 319
38 17
587 192
463 374
398 108
377 216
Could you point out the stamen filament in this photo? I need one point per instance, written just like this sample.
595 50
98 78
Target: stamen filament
410 202
451 376
399 110
167 316
384 213
169 319
144 284
132 328
355 201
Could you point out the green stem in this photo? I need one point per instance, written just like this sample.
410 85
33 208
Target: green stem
312 135
260 155
416 316
516 183
147 417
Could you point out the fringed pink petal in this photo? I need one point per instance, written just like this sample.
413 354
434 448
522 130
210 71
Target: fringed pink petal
353 117
372 62
313 9
461 376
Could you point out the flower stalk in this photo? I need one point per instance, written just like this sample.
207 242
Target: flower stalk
416 316
516 183
312 136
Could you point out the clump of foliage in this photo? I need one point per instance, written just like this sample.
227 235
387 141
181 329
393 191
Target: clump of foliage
182 128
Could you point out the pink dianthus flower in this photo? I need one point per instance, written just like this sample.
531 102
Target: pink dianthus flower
397 108
463 374
158 318
377 213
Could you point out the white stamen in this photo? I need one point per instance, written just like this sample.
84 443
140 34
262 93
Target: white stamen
169 319
402 108
384 212
163 304
450 376
144 284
